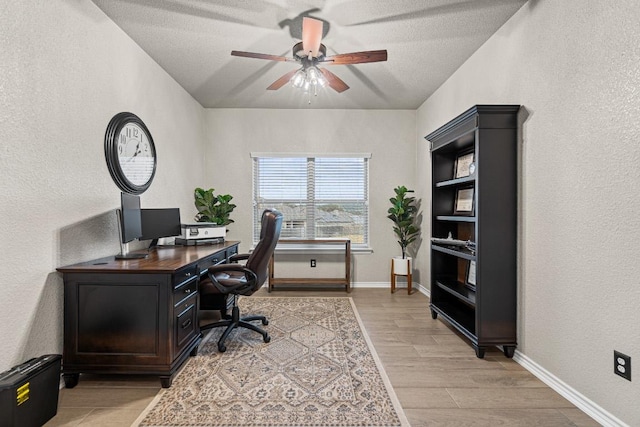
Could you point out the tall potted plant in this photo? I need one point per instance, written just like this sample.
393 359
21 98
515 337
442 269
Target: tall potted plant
213 209
403 212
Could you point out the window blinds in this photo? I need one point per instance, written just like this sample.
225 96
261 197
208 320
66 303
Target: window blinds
320 197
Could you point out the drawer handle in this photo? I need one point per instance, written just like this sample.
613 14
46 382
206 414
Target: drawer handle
187 291
186 323
188 274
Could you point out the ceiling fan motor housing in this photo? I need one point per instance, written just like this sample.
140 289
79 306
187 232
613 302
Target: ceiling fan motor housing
300 54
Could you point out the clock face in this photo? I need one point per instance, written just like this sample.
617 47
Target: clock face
135 155
130 153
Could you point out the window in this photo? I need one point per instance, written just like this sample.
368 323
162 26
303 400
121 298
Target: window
319 197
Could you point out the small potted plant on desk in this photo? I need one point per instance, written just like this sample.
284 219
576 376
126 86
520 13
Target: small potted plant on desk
403 214
214 209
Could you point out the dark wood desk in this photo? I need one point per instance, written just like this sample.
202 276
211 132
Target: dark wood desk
136 316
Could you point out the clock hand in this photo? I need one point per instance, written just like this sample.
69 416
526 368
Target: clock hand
134 155
137 151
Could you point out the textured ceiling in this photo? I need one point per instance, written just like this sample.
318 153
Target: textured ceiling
426 40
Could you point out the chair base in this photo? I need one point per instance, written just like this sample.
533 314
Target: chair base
236 322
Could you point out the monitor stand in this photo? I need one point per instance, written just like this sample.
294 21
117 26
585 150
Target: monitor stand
125 254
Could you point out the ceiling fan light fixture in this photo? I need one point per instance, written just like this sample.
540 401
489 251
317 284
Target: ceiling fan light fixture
309 78
313 74
322 81
316 77
298 78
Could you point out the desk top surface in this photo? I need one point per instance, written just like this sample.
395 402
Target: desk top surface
161 259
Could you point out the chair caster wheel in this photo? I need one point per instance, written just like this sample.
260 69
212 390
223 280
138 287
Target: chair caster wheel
265 322
266 338
222 348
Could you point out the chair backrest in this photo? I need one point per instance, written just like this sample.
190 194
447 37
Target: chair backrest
258 261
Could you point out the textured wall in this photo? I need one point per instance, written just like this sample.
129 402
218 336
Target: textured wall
65 70
575 67
388 135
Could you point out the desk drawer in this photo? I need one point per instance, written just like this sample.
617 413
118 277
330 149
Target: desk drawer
232 251
186 321
186 289
214 259
183 275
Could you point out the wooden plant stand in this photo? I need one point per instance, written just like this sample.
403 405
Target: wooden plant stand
394 274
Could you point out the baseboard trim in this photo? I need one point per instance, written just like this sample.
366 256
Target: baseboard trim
387 285
371 285
423 290
582 402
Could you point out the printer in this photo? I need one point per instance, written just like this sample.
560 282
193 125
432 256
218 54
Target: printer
201 233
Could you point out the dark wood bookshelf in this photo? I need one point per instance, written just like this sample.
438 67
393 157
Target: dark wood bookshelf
485 311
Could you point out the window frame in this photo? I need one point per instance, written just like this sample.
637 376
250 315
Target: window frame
311 202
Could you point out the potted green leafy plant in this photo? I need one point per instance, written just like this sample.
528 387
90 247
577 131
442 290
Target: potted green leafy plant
215 209
403 212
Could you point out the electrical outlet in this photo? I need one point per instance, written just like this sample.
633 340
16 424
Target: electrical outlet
622 365
313 263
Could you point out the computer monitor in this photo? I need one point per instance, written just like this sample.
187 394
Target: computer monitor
130 222
157 223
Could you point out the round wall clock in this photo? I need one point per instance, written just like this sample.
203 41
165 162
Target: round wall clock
130 153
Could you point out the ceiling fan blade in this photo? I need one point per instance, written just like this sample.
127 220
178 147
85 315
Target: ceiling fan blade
334 81
282 81
311 35
357 57
260 56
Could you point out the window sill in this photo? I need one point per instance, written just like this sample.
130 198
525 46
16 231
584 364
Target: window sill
317 249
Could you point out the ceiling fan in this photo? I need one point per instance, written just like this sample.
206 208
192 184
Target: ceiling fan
310 52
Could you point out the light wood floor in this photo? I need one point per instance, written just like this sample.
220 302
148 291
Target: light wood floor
433 370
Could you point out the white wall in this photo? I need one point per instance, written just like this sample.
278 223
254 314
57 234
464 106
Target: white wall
575 68
388 134
65 70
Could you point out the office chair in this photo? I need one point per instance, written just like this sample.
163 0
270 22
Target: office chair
236 279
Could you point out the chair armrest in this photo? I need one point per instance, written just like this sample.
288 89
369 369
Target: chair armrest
249 274
226 267
238 257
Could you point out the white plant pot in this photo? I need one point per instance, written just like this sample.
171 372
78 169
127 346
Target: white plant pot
402 266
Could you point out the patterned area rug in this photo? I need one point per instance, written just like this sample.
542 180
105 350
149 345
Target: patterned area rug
318 370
